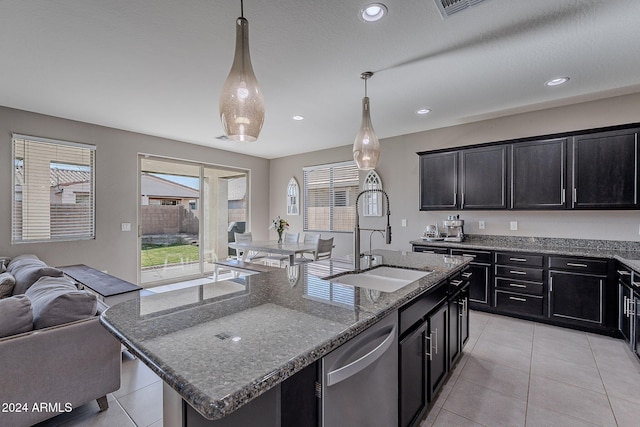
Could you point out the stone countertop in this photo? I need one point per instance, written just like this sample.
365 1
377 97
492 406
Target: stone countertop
626 252
222 344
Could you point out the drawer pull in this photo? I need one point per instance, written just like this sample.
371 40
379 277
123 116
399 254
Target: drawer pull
518 259
518 299
573 264
467 275
623 273
524 273
456 283
472 256
515 285
636 284
429 353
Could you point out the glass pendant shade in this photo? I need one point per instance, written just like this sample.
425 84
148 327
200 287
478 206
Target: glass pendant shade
241 101
366 147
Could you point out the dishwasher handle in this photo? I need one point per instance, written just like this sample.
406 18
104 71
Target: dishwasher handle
341 374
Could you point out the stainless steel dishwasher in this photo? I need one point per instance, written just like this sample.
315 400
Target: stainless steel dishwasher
359 379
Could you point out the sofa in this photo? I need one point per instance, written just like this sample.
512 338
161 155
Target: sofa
55 354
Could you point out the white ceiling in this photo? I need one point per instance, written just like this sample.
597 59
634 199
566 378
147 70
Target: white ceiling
157 66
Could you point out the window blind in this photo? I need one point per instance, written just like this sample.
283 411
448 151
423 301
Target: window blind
330 193
53 190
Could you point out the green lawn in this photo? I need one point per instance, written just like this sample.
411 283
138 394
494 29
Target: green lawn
153 255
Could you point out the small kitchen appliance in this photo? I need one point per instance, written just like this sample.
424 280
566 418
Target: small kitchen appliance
453 229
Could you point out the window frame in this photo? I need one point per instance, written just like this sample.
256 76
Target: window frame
17 236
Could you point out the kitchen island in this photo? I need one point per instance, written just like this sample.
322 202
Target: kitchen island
222 345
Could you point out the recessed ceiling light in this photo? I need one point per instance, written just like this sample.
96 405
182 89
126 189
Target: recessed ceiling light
373 12
423 111
557 81
297 117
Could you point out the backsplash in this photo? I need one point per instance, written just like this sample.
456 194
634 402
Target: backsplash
550 242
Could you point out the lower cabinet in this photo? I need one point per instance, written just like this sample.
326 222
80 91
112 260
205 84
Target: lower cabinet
458 324
576 297
625 307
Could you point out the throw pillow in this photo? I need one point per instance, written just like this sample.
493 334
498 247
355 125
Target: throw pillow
56 300
16 315
7 282
27 271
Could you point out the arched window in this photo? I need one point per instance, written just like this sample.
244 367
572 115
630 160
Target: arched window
372 201
293 197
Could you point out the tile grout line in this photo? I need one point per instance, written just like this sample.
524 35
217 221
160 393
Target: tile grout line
606 392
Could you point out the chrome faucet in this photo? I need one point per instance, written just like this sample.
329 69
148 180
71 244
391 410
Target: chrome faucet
357 229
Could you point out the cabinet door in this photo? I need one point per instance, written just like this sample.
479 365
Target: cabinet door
464 317
479 283
635 313
484 178
454 329
439 181
437 365
413 375
605 170
576 297
625 307
538 175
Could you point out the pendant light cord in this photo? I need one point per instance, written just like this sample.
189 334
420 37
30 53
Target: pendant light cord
241 9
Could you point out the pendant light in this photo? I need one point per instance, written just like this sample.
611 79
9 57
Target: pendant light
366 147
241 101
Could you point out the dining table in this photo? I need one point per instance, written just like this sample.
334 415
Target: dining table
273 247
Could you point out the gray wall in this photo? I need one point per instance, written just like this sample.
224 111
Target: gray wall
117 196
398 169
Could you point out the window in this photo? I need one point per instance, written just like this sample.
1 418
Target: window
330 193
372 202
293 208
53 190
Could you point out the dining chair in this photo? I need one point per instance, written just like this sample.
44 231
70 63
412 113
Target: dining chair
309 239
325 247
277 258
250 255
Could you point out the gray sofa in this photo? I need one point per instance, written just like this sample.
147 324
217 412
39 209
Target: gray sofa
55 354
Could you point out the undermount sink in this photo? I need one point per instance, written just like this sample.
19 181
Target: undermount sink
385 279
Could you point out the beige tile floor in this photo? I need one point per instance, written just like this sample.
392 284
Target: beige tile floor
512 373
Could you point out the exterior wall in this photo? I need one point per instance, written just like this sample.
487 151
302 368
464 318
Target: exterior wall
398 168
117 193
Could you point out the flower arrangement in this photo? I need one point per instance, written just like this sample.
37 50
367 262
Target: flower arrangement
279 225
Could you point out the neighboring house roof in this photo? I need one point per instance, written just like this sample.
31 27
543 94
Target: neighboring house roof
154 186
60 177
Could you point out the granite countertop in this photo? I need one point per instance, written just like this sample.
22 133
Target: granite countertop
624 251
222 344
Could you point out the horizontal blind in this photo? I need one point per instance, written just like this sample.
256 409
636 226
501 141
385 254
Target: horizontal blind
329 197
53 190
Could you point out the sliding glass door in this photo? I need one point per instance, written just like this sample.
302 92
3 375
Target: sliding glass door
187 213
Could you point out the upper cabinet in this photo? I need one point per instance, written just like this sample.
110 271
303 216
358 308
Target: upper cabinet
439 181
597 170
605 170
484 178
538 174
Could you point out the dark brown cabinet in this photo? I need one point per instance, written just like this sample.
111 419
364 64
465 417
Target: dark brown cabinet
479 276
458 322
538 174
576 297
625 300
605 170
439 181
484 178
519 283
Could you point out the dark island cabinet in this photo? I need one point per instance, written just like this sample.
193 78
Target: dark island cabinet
625 300
439 181
538 174
605 170
484 178
478 273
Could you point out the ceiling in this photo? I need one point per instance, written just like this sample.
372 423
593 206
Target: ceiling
157 66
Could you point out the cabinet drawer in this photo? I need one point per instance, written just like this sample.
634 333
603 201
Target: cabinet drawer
578 264
519 259
519 286
478 256
519 303
418 310
430 250
519 273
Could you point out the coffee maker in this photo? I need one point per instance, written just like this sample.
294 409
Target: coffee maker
453 229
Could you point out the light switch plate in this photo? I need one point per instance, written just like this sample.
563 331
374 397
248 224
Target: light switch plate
404 222
514 225
125 226
481 225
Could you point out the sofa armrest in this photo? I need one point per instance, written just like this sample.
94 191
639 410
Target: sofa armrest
63 366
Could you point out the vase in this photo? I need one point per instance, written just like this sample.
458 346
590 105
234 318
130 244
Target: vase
279 237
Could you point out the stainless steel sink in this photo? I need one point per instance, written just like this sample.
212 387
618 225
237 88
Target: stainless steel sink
385 279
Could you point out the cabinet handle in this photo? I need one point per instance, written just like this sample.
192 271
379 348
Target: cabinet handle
469 255
550 284
518 259
461 312
515 285
562 196
467 275
575 194
436 340
430 352
518 299
462 201
573 264
635 284
456 283
625 307
523 273
455 198
623 273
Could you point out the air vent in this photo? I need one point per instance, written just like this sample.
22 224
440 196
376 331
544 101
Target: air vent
223 138
449 7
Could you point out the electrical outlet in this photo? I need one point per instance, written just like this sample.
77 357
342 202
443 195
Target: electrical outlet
404 222
481 225
514 225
